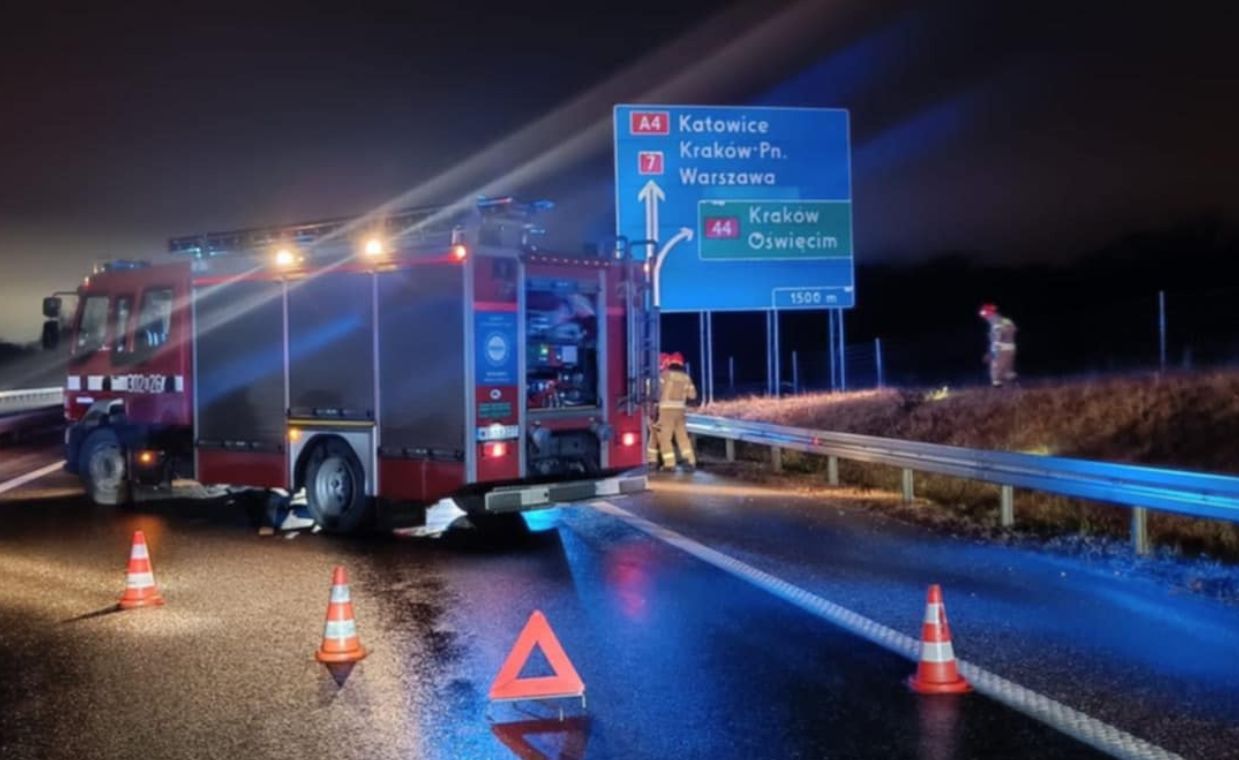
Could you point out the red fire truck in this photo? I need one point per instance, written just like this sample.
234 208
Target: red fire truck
433 358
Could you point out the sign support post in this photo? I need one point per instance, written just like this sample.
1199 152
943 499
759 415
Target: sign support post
830 348
778 355
709 389
843 354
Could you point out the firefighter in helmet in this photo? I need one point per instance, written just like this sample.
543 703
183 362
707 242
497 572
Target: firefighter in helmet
1001 354
676 390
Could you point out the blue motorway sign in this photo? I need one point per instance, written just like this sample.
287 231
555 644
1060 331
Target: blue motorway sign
751 207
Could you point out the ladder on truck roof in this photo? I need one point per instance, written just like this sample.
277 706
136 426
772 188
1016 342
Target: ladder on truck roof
422 225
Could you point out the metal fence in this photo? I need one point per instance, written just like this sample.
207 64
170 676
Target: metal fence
1141 488
22 411
13 402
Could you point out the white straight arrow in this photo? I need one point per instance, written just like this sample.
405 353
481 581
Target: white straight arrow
684 234
651 195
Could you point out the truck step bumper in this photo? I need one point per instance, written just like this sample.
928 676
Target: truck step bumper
520 498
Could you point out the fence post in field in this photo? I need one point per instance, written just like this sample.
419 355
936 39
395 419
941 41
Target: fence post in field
832 471
877 356
1007 510
1161 329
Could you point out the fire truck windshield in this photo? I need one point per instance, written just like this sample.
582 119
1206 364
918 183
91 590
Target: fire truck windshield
93 329
155 319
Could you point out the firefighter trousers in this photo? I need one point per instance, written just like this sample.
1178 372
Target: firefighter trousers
651 447
1002 366
672 432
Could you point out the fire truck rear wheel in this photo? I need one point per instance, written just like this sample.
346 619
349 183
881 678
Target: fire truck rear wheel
335 487
103 468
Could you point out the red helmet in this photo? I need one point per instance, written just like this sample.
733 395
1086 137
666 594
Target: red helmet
664 361
677 358
988 310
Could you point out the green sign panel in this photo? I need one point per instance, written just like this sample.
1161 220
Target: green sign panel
772 230
495 411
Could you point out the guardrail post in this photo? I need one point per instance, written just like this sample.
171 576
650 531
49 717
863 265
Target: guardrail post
832 471
1007 499
1140 530
776 458
909 494
730 446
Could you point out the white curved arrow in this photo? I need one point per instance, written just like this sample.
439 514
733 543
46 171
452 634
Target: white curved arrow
684 234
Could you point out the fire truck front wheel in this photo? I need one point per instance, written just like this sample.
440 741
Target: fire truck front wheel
335 488
103 469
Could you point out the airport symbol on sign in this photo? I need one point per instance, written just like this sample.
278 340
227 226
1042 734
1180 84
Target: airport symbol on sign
744 208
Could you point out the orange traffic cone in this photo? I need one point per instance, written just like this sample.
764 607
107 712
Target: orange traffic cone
140 590
340 642
937 672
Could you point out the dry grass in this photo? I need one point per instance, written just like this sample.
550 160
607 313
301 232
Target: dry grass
1183 421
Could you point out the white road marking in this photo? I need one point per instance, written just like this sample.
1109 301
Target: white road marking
22 480
1093 732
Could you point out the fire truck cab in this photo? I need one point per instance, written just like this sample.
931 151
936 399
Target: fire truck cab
436 359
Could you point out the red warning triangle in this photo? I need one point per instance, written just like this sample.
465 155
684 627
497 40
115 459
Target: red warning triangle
565 683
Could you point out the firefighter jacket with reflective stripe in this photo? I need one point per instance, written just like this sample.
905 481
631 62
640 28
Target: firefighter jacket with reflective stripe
1002 335
677 388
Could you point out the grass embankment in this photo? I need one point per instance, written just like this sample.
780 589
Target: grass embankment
1183 421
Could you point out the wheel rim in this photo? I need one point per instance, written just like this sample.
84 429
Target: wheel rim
333 487
107 467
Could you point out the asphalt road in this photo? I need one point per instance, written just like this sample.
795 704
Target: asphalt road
679 658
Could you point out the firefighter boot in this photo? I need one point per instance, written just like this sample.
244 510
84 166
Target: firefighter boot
666 441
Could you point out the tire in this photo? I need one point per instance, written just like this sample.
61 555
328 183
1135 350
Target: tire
104 468
335 487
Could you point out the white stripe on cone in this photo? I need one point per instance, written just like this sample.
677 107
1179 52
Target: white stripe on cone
339 594
340 629
937 651
932 613
139 552
140 580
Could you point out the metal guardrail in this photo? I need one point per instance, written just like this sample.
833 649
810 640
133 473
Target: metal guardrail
13 402
26 410
1196 494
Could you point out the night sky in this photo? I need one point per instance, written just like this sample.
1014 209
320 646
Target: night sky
1030 130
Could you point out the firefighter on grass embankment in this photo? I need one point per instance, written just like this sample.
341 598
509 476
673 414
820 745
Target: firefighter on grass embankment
1001 354
676 390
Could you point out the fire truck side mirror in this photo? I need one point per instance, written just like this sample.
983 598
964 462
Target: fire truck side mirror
51 334
51 307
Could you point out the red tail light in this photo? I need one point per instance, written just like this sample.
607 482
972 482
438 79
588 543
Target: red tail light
495 450
628 439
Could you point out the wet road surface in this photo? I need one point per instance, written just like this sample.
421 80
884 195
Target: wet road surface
1123 648
679 659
